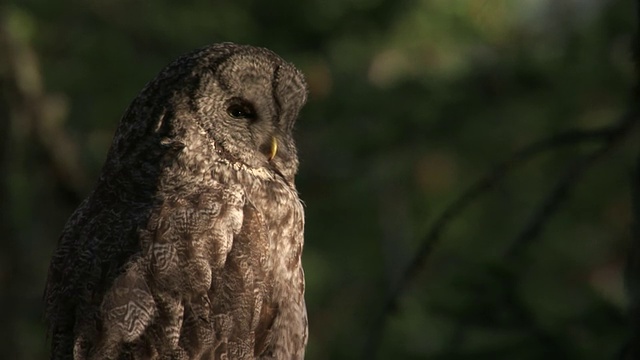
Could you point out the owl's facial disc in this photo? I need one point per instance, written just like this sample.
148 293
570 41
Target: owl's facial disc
242 109
252 120
249 100
259 110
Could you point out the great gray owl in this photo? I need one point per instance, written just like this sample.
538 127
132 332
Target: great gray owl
189 246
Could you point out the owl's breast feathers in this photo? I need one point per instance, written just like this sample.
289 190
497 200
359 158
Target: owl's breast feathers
213 270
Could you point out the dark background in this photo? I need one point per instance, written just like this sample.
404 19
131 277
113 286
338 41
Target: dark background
417 109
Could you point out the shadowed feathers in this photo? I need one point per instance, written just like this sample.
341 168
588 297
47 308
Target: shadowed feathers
189 246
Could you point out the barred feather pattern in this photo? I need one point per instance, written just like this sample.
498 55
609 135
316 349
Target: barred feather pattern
190 245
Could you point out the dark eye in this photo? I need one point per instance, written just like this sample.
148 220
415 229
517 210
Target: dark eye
241 109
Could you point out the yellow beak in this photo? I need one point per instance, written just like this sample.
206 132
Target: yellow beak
274 148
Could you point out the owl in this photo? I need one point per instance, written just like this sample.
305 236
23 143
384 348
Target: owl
189 246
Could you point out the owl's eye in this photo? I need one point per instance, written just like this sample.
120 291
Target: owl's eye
241 109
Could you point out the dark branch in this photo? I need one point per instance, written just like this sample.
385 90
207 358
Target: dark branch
608 135
562 189
38 114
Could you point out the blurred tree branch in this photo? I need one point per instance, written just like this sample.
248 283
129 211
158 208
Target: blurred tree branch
572 175
32 124
609 135
35 114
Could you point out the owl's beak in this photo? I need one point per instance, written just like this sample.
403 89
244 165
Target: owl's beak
274 148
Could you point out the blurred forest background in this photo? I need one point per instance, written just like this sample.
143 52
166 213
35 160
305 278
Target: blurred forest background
485 145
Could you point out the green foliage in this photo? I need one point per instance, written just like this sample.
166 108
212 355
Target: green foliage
411 101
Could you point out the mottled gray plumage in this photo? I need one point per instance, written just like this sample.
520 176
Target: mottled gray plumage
189 246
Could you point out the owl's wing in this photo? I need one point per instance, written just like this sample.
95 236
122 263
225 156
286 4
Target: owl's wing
97 243
69 281
189 280
59 311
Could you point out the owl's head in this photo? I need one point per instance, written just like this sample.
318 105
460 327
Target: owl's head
241 100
